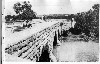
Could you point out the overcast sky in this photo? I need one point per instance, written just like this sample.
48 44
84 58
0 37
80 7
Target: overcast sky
52 6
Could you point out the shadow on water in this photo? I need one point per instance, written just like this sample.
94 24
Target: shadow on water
75 31
77 43
45 55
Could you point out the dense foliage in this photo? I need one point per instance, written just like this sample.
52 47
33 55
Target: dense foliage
88 22
23 11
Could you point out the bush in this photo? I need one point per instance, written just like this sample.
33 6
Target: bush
88 22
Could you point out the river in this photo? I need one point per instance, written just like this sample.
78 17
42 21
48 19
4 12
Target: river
72 50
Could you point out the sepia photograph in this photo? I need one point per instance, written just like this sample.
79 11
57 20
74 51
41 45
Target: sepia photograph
50 31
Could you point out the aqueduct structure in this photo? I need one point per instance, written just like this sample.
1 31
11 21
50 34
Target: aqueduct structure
31 47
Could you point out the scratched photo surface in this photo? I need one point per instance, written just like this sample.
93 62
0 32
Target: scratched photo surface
50 30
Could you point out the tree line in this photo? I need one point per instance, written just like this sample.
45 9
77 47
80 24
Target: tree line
88 22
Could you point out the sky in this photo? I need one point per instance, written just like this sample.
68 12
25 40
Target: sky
51 6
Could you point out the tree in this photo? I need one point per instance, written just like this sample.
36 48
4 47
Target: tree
8 18
88 22
24 10
18 8
95 22
96 7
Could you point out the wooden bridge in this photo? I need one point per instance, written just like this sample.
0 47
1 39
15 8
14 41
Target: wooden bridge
44 35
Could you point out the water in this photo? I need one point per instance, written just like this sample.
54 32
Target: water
76 51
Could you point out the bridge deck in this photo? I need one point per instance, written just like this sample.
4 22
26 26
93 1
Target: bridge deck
17 36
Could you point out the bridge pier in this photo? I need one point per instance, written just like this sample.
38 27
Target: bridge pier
58 33
55 40
32 47
45 54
